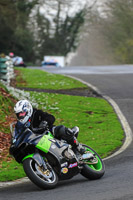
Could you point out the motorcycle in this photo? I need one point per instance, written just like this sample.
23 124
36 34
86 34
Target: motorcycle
18 62
47 160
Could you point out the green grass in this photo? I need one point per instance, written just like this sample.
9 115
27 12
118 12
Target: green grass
10 171
34 78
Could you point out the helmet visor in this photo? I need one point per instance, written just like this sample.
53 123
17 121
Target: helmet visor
21 115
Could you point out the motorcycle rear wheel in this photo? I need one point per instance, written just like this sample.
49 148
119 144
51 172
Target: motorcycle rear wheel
94 170
45 179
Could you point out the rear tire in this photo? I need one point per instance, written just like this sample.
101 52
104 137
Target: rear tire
93 171
43 179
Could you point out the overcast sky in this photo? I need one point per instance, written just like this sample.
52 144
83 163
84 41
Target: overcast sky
71 9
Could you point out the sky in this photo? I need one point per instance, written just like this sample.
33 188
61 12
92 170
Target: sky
74 6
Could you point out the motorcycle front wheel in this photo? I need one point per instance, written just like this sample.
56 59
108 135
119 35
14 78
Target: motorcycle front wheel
93 168
45 179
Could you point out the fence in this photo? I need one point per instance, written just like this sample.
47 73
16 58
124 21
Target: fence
6 69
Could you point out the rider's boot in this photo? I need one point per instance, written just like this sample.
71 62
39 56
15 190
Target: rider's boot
73 133
78 147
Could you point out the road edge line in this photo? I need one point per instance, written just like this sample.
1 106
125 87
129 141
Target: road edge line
15 182
124 123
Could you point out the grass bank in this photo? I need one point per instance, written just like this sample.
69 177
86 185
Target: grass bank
99 125
34 78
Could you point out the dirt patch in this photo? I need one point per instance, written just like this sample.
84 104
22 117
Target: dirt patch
86 92
13 81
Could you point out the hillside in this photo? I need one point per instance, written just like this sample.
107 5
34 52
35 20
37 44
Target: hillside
6 117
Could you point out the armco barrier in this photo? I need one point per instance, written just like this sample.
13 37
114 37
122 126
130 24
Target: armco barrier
6 69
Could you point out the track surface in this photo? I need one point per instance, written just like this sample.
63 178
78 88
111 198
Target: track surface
117 183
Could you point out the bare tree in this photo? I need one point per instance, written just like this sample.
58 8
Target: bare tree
116 22
58 25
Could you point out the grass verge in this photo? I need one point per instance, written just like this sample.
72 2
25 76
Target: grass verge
34 78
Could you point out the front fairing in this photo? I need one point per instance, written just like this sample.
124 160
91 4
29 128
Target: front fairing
27 136
23 142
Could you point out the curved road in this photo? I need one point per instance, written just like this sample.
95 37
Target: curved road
117 183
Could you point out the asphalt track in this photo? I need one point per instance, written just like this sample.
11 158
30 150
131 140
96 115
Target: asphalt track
117 183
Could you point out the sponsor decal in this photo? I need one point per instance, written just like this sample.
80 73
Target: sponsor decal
73 165
64 164
64 170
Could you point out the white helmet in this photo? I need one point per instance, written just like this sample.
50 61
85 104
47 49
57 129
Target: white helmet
23 110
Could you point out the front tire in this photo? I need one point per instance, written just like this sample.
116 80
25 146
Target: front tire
93 170
45 179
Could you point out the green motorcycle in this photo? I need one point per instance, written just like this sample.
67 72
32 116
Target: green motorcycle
47 160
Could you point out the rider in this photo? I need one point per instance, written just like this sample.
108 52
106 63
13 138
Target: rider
36 120
11 54
17 60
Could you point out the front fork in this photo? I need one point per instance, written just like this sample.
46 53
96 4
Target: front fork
38 159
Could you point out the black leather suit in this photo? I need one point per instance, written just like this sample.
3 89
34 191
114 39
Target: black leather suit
38 116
